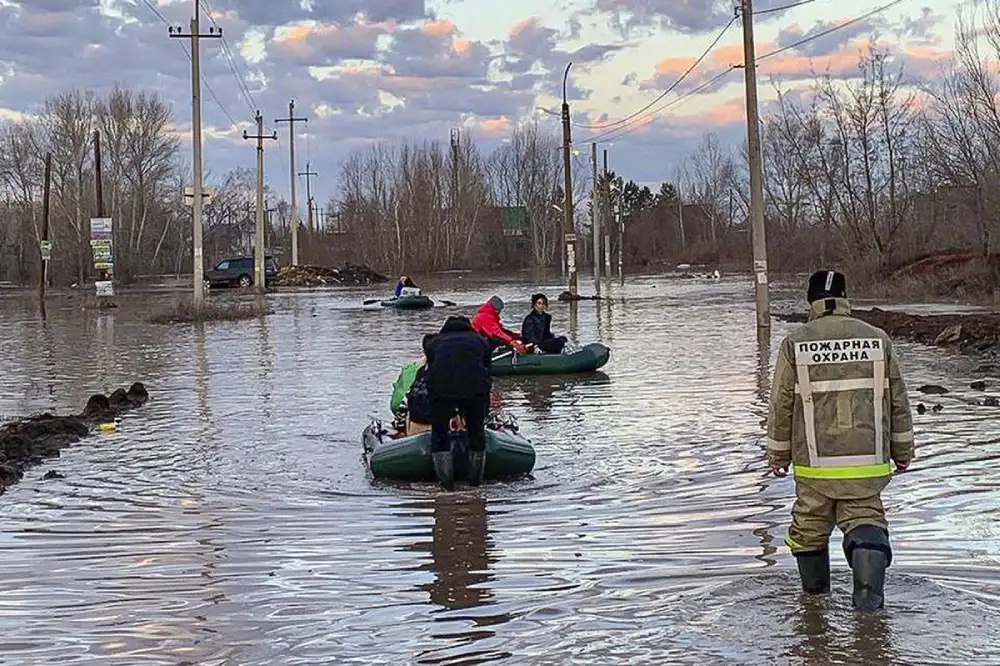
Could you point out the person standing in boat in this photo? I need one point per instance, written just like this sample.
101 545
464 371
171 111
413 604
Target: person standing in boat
536 329
487 323
458 379
838 414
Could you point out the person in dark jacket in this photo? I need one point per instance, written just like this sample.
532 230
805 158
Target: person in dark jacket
458 378
537 327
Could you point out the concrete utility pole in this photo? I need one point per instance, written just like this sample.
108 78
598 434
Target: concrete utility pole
291 120
309 199
595 220
756 172
456 143
258 244
198 268
606 212
570 230
44 248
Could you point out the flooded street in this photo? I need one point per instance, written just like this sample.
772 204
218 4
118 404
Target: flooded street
230 521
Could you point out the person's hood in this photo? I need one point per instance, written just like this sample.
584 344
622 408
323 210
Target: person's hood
457 324
487 308
829 306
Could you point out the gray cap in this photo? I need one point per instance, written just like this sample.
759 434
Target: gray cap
497 303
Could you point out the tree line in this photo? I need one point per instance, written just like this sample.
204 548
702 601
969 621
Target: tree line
867 174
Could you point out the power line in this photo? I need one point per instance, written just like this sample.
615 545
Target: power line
783 8
835 28
623 131
233 67
204 82
673 86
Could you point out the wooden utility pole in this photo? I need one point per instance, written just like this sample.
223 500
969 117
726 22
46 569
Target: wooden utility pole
756 172
607 216
595 220
198 268
309 200
680 218
99 185
258 250
44 247
456 142
291 120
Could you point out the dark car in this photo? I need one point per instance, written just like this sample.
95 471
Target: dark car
238 272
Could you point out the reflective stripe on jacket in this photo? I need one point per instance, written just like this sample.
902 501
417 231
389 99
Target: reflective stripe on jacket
839 409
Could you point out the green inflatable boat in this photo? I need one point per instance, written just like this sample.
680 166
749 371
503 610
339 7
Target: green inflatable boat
586 359
508 455
411 302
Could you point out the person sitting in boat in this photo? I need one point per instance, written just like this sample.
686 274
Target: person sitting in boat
487 323
406 287
409 393
537 328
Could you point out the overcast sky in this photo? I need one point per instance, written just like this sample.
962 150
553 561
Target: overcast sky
364 70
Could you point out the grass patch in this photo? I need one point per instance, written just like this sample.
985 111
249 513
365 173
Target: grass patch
185 312
961 278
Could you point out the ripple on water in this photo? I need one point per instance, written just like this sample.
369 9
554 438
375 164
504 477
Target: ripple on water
230 520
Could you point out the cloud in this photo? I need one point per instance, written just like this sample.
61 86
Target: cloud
688 16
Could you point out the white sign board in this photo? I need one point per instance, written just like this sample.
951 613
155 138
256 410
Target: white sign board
206 195
100 227
105 288
46 248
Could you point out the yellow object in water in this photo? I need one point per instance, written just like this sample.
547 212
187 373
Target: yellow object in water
108 427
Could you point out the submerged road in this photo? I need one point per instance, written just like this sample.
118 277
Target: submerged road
230 521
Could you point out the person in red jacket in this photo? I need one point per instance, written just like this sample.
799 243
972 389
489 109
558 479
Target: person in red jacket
487 323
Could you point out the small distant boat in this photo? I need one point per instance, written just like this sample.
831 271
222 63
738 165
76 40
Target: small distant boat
408 302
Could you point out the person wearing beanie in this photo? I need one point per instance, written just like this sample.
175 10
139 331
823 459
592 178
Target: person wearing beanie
838 414
487 323
536 329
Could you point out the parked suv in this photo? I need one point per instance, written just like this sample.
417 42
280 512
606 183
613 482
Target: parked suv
238 272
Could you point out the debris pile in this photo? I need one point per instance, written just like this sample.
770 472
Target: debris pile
27 442
318 276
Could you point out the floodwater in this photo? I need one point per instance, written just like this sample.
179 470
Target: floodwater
230 520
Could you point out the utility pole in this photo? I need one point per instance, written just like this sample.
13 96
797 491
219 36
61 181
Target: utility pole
44 248
309 200
570 230
621 235
198 268
455 144
595 220
756 172
607 216
291 120
680 218
258 250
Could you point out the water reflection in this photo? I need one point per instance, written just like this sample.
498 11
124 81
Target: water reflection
541 392
826 634
460 552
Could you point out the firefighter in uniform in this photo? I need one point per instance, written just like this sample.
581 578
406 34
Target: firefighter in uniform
838 414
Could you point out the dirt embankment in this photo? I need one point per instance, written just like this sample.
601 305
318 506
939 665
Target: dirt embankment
954 275
27 442
966 332
318 276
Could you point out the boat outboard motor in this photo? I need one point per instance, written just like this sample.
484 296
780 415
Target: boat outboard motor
869 554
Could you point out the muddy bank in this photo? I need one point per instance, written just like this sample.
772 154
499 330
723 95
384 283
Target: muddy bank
973 333
318 276
29 441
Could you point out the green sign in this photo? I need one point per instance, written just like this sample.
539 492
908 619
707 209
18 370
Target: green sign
46 247
514 220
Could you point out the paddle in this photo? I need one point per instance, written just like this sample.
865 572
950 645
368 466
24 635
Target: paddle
446 303
372 301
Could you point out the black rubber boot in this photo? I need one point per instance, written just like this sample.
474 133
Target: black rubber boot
477 465
814 570
869 554
444 467
869 579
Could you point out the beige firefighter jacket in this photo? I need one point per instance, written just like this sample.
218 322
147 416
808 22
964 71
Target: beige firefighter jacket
839 409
